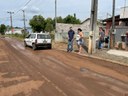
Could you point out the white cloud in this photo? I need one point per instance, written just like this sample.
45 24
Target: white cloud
34 9
64 7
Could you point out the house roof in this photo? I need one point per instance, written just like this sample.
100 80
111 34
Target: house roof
85 20
117 17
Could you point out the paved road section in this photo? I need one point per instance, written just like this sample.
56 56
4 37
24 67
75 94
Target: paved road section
24 72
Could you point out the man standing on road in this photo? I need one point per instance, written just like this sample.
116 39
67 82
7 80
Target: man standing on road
70 40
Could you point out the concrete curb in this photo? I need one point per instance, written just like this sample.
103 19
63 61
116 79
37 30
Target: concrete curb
108 60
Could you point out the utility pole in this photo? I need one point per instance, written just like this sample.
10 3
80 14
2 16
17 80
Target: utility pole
124 8
112 33
24 20
11 20
92 35
55 16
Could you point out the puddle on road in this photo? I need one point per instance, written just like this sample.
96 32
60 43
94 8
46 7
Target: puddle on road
1 62
2 79
25 87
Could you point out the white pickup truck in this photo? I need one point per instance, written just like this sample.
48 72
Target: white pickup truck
36 40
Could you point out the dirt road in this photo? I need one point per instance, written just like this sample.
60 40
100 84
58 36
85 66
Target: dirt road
24 72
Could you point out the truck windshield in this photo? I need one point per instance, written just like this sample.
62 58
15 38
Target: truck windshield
42 36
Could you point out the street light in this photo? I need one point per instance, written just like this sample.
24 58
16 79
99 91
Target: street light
11 20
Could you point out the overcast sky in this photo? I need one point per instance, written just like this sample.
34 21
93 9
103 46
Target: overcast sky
46 8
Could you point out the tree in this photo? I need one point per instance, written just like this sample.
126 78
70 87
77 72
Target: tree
2 29
71 20
49 25
60 19
37 23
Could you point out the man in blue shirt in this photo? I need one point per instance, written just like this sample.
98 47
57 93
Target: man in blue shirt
71 34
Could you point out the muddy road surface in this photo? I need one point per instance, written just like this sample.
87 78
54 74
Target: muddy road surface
24 72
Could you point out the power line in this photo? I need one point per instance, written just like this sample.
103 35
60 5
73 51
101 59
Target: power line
24 5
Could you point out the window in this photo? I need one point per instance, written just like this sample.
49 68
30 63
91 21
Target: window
32 36
42 36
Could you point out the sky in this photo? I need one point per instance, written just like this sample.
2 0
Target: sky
46 8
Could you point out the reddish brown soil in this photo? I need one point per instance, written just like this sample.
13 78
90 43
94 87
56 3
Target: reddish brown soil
24 72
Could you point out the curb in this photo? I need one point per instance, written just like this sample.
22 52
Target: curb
108 60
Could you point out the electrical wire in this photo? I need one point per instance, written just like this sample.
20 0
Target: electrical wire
24 5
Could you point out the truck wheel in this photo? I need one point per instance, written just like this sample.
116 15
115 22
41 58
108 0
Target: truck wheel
33 46
50 46
25 45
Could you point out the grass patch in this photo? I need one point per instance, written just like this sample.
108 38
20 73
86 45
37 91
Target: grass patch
16 36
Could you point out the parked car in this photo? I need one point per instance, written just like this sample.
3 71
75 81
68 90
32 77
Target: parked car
36 40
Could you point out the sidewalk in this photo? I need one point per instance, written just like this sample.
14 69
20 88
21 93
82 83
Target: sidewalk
118 53
115 56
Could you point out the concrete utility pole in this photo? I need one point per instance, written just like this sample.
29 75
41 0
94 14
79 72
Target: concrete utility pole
24 20
11 20
55 15
112 33
92 35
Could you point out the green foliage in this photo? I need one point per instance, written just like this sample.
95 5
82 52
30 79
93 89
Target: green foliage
52 35
37 23
17 36
60 19
71 20
2 29
49 25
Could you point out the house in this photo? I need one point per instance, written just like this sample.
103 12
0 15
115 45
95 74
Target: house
121 25
121 20
14 31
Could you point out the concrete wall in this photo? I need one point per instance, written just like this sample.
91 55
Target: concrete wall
62 30
61 27
63 37
120 31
